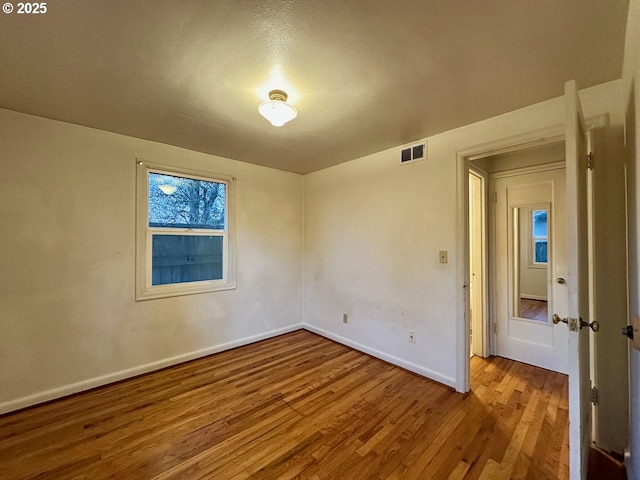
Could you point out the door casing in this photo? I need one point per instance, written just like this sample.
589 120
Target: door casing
531 139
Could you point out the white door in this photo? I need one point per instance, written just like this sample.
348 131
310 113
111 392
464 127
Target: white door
476 264
577 284
530 254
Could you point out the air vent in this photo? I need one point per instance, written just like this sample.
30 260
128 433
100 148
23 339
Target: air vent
415 152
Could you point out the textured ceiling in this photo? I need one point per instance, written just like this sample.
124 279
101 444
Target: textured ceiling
364 75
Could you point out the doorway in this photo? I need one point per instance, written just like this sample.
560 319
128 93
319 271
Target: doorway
512 261
604 258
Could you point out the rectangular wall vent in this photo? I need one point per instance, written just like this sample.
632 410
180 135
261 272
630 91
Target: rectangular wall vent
415 152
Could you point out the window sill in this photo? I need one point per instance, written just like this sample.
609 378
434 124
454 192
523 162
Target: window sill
177 290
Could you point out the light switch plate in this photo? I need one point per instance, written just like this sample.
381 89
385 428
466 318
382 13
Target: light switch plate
443 256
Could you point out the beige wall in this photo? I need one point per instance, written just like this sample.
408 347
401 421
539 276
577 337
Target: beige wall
631 106
373 230
69 319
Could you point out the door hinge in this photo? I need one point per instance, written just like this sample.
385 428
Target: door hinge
495 327
594 395
590 161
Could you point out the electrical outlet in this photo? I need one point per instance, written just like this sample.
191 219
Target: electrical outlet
412 336
345 318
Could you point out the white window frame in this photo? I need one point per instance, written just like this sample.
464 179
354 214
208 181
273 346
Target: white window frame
144 235
532 238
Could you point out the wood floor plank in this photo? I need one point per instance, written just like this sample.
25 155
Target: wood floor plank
459 471
297 406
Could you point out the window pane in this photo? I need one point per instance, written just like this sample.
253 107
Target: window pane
181 202
539 223
541 251
185 258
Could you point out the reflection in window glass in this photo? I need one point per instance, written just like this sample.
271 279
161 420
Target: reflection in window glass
540 236
181 202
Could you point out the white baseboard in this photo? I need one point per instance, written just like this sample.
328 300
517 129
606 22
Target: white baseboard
412 367
531 296
88 384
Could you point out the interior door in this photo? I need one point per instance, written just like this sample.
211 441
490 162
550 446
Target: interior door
530 254
476 264
577 278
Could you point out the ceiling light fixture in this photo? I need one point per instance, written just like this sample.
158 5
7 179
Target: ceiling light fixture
167 189
276 109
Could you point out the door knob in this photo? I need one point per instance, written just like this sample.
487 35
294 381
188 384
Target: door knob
560 280
628 331
595 326
557 319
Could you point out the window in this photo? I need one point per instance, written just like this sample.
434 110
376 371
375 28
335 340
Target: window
185 232
540 233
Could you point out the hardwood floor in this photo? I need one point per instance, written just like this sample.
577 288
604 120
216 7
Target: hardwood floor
297 406
534 309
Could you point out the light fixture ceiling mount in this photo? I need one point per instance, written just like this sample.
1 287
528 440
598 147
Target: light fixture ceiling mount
276 109
167 189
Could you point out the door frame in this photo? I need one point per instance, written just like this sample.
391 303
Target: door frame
535 138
